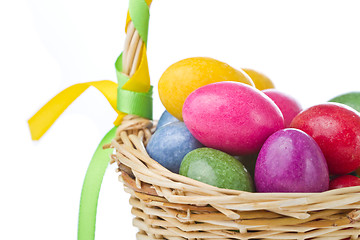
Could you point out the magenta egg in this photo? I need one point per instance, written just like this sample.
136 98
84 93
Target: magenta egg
288 105
291 161
231 117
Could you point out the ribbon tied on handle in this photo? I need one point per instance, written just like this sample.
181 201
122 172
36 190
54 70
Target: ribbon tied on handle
132 95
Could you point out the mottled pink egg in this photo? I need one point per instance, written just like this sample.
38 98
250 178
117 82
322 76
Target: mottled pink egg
288 105
231 117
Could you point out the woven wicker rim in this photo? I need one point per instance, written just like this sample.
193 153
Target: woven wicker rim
131 153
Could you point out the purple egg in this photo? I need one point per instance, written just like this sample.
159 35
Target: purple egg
291 161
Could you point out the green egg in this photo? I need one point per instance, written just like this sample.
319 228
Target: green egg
216 168
351 99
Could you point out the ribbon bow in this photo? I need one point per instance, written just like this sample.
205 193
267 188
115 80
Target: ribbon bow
132 95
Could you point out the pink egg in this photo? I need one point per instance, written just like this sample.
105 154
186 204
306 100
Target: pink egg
288 105
231 117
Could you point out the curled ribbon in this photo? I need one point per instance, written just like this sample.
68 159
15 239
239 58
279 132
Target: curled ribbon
133 95
43 120
48 114
130 96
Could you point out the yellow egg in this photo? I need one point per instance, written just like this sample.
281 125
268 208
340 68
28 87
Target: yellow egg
187 75
261 81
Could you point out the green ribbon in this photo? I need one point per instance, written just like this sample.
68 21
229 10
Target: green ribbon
140 14
130 102
135 103
91 188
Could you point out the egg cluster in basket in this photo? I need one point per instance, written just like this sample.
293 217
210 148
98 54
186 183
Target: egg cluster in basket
231 129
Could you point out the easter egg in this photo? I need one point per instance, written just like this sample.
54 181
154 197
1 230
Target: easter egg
232 117
291 161
344 181
288 105
185 76
170 144
336 129
249 162
261 81
165 119
216 168
350 99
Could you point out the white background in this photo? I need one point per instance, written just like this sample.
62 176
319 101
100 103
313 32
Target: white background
310 49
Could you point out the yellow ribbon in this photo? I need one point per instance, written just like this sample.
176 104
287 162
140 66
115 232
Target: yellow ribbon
48 114
140 81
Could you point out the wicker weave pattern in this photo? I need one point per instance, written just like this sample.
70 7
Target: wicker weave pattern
170 206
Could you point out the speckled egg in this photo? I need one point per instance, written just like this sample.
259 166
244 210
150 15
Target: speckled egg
291 161
336 128
288 105
351 99
231 117
261 81
170 144
165 119
216 168
187 75
344 181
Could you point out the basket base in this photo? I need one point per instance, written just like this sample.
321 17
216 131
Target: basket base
158 220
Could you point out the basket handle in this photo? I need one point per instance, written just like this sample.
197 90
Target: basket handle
134 97
134 89
135 41
134 92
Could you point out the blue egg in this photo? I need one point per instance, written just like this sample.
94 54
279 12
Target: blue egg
170 143
166 118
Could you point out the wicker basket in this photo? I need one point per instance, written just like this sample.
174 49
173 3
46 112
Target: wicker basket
170 206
